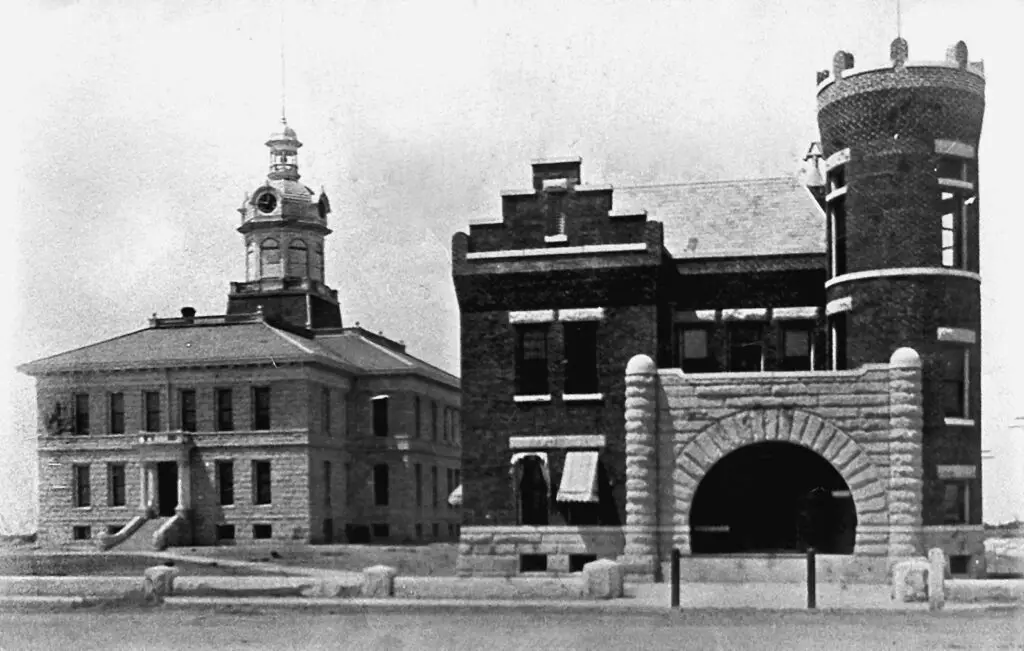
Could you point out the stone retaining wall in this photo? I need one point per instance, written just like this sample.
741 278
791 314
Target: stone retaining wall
496 551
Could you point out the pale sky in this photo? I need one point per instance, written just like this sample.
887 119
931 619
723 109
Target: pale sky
138 129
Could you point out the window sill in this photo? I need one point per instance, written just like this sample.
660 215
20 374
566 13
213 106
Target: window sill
582 397
555 239
546 397
960 422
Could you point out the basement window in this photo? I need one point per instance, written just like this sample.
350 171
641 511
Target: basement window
81 532
533 562
262 531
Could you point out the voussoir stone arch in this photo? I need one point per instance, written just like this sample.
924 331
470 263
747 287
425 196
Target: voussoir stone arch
695 459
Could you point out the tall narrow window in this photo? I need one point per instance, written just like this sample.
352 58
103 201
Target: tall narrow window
261 482
695 354
418 480
82 491
449 477
837 331
581 357
418 416
836 208
317 267
270 259
81 414
381 489
955 368
226 482
298 259
325 409
225 411
188 410
327 484
433 487
117 413
152 405
348 484
746 346
379 414
261 408
955 502
797 346
532 360
955 211
115 484
252 271
433 421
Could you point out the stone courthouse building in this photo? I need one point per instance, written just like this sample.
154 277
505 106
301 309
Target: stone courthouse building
273 421
749 367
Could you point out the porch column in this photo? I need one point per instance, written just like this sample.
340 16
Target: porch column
154 489
641 544
906 420
184 486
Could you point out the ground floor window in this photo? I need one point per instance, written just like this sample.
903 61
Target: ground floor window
81 532
956 502
532 489
381 530
262 531
225 532
82 490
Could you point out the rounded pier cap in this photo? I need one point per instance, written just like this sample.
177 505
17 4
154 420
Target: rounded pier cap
905 358
641 365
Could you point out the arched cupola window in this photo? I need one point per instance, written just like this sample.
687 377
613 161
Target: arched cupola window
251 266
270 259
298 259
316 271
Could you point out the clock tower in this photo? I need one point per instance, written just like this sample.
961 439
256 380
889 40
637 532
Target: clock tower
284 224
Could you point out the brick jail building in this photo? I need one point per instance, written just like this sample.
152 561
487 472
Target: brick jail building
273 421
744 367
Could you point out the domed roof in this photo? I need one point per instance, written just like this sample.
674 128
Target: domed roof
284 134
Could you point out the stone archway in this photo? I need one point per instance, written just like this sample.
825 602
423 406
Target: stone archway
695 459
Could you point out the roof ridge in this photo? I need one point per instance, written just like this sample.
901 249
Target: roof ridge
760 179
281 333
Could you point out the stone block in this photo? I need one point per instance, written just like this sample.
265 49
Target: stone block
159 580
936 579
379 581
558 563
910 580
603 579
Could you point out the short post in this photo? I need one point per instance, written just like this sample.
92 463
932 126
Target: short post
675 577
812 584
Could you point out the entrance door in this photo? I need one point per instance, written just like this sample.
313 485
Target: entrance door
772 497
167 487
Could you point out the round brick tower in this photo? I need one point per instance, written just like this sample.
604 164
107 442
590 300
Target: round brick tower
900 144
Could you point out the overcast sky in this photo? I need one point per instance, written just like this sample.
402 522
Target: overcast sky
139 127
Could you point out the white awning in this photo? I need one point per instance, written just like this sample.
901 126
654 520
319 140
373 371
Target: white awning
455 499
579 477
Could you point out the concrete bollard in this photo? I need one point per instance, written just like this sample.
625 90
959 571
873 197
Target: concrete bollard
910 580
603 579
379 581
159 579
936 579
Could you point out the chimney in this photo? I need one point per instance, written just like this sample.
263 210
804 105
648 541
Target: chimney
188 314
556 174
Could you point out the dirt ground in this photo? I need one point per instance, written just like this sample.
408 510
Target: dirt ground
410 560
13 563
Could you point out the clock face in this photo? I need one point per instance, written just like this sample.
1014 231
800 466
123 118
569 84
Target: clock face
266 202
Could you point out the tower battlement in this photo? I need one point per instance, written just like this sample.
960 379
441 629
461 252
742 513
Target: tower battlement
956 72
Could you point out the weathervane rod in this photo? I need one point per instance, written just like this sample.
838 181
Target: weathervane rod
899 20
283 92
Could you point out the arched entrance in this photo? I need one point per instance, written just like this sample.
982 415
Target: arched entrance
769 497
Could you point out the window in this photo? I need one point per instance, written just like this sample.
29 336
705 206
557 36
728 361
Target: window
115 484
532 360
955 502
261 408
317 268
152 405
261 482
746 346
433 421
951 167
580 357
348 484
417 416
188 410
325 409
270 259
381 490
837 336
298 259
837 220
419 531
458 479
379 414
694 353
418 478
251 268
955 211
456 427
433 487
226 482
81 532
556 219
381 530
262 531
81 414
533 491
797 347
117 413
955 363
435 529
225 532
449 477
327 484
446 430
225 411
82 493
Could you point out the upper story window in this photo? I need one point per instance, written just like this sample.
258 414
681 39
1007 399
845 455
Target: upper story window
797 346
117 413
955 363
379 415
837 332
188 410
316 269
151 400
270 259
225 410
532 360
261 408
835 207
417 410
381 485
261 483
81 414
580 357
746 346
956 201
251 262
695 354
433 421
325 409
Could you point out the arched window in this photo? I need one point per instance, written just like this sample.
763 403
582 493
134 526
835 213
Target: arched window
270 259
251 266
316 271
298 259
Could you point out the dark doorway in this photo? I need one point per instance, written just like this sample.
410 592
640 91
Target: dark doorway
328 530
772 497
167 487
533 492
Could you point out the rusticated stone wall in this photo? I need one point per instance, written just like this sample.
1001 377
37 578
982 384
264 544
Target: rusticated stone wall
495 551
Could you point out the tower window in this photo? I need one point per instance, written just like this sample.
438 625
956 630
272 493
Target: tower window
298 259
837 339
251 265
581 357
532 360
270 259
837 219
317 267
746 347
955 363
955 210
